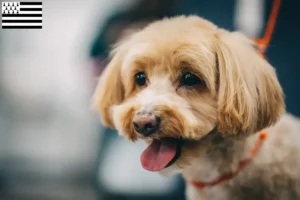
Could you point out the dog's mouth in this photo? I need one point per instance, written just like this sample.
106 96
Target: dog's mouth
161 154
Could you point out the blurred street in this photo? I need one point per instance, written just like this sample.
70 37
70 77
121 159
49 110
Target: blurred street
48 134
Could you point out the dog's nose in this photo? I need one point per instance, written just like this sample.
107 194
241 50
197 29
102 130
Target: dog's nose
146 123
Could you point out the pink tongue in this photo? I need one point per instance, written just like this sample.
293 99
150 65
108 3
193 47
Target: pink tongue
159 154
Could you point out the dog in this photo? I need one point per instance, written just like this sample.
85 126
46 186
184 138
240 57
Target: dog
209 107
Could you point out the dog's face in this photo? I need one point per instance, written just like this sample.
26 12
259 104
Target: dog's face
179 79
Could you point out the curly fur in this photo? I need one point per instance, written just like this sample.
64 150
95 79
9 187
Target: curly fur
220 118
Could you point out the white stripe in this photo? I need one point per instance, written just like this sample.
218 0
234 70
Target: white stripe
22 18
249 16
22 24
30 12
31 6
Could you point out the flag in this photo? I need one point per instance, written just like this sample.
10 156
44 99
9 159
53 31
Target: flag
22 15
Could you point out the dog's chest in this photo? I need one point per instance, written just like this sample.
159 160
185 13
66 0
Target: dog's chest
261 185
249 185
215 193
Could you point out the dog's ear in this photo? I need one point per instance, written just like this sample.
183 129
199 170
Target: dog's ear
249 95
110 89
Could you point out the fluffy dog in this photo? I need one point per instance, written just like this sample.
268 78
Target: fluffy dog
200 96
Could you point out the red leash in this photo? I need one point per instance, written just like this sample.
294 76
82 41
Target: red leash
263 43
262 137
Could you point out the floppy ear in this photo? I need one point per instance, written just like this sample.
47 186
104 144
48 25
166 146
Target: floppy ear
110 90
249 95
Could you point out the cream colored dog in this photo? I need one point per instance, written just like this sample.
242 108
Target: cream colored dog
201 96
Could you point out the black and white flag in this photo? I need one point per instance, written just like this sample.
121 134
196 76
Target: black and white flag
22 15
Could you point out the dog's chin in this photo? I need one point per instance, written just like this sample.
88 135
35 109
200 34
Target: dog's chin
171 170
161 153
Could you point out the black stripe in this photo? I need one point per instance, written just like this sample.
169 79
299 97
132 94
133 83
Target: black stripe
22 15
30 9
21 27
21 21
30 3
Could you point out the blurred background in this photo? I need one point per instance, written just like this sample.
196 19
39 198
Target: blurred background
52 145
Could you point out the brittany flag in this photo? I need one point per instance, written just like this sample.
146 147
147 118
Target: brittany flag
22 15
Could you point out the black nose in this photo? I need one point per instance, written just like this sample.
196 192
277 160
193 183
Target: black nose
146 123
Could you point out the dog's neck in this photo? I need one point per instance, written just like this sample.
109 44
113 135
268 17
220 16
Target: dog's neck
216 155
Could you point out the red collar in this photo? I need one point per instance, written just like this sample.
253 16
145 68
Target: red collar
262 137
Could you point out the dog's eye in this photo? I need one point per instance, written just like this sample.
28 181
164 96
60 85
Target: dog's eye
189 79
140 78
